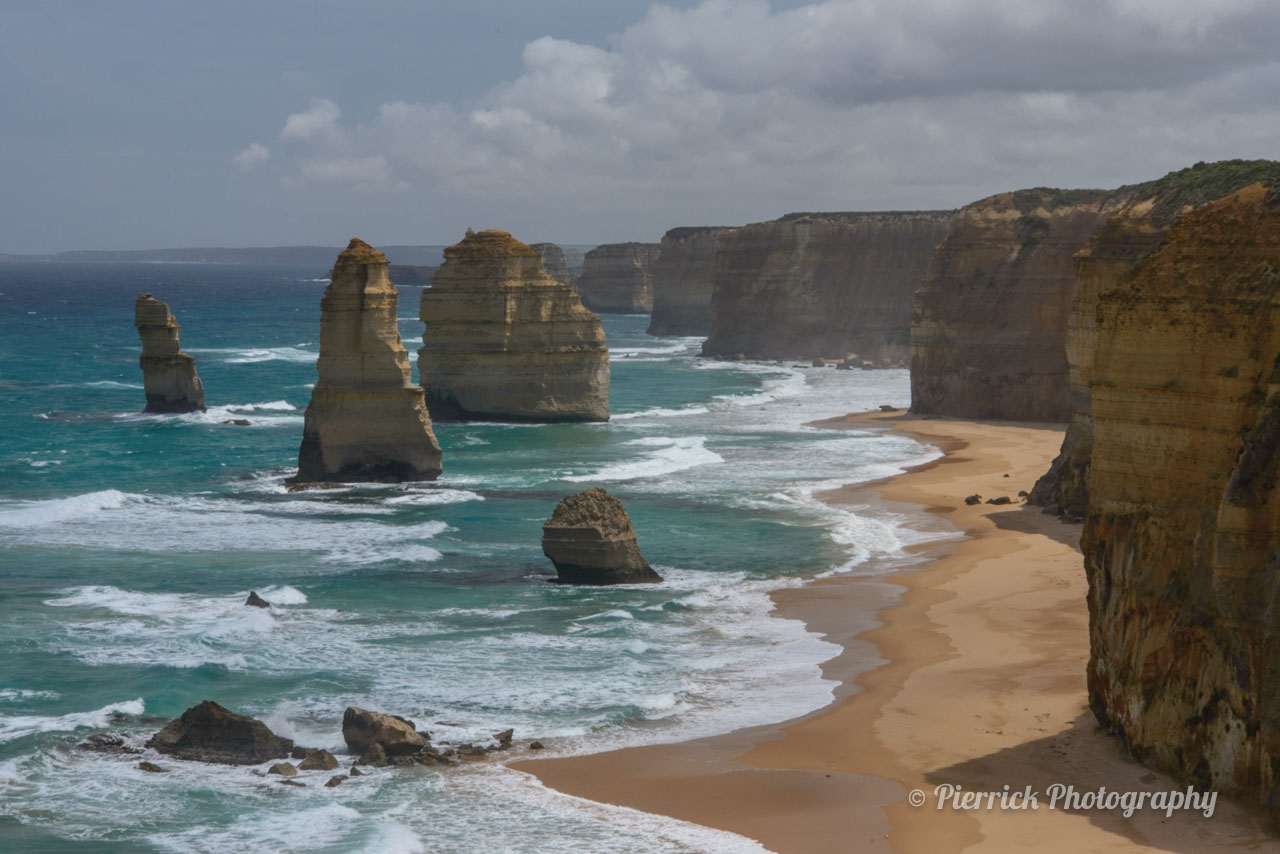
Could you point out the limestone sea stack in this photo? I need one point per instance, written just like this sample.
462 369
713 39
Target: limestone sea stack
1129 235
988 333
617 279
684 277
1183 507
590 540
553 261
504 341
366 420
169 377
822 285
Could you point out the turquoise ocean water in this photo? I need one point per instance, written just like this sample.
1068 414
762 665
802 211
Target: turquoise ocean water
128 544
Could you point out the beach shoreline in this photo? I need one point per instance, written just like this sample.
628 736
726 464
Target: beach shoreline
968 670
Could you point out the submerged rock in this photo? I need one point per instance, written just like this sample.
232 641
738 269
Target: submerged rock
616 278
590 540
284 769
256 601
169 377
366 420
318 760
505 341
363 730
152 768
210 733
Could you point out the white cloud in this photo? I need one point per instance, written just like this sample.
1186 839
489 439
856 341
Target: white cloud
731 110
254 154
319 121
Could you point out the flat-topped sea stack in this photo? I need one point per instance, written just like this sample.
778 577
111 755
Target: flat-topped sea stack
169 377
553 261
988 335
590 540
1183 509
1129 235
617 278
507 342
822 285
684 277
367 421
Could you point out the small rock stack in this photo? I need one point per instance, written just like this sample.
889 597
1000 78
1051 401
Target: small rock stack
169 377
590 540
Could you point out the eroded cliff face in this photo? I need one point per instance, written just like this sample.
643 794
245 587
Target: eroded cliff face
683 280
553 261
1129 235
616 278
366 421
821 285
1184 513
169 378
505 341
989 329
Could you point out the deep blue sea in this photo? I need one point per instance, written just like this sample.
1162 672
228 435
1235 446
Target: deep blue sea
129 542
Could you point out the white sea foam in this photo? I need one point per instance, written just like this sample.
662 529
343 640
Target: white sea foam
660 412
17 726
13 695
253 355
669 455
433 497
38 513
113 384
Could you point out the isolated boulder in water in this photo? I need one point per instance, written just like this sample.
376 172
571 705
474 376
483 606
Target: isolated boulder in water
210 733
396 736
256 601
590 539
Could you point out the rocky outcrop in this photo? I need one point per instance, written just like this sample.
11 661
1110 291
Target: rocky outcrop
366 420
617 279
169 377
1129 235
684 277
988 334
1183 507
393 736
505 341
821 284
590 540
210 733
553 261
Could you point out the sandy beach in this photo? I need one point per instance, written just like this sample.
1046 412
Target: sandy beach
969 671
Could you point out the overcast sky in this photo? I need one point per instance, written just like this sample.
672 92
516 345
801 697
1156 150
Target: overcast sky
136 124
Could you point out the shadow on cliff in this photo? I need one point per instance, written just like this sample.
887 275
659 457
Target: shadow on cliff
1084 756
1030 520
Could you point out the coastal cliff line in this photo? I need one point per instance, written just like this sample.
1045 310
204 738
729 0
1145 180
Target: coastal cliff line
822 285
617 278
1129 235
1183 510
684 277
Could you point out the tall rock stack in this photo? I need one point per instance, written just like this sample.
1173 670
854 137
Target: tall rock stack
989 329
684 277
822 285
367 421
1183 506
616 278
169 377
505 341
1129 235
553 261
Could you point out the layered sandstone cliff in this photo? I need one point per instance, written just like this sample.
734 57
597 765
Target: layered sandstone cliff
1133 232
822 285
988 334
684 277
367 421
616 278
505 341
1184 511
169 377
553 261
